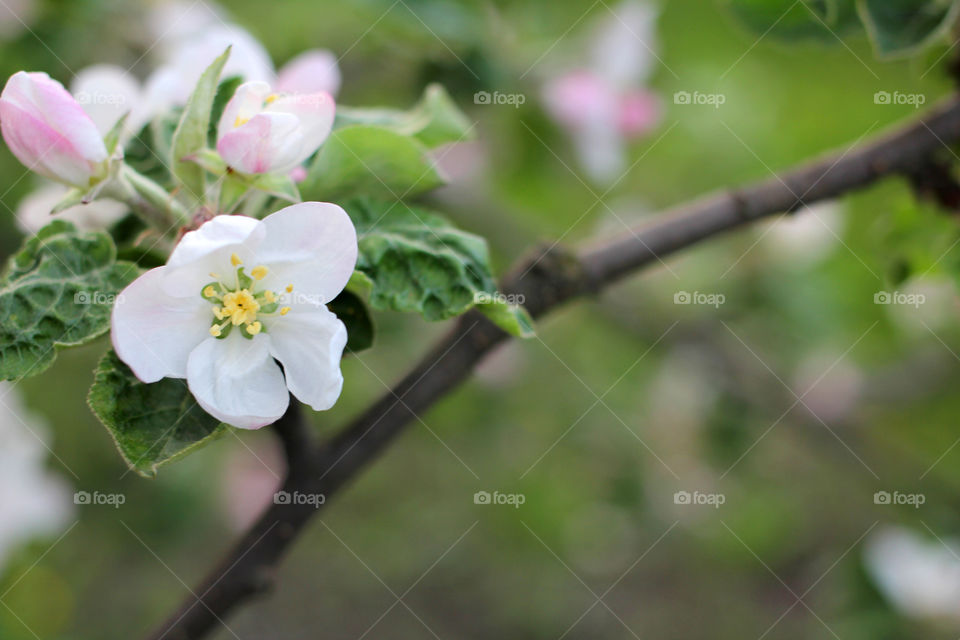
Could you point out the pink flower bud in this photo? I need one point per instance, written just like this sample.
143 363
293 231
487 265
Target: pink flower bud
49 132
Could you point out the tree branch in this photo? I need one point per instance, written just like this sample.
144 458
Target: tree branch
546 279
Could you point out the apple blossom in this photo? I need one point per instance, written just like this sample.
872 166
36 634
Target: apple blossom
236 294
602 104
310 72
261 131
33 501
49 132
33 212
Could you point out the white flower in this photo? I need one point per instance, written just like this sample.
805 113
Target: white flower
108 92
33 212
33 501
921 577
235 294
261 131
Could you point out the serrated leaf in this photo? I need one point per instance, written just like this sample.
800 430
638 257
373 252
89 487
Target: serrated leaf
419 262
57 291
903 27
351 310
191 133
151 424
225 91
434 120
370 160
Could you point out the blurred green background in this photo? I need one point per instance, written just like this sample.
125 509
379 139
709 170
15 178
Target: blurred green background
620 401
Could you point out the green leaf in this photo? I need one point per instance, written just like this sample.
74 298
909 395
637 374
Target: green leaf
351 310
512 318
225 91
791 20
58 290
903 27
191 133
150 150
418 262
151 424
278 185
370 160
434 120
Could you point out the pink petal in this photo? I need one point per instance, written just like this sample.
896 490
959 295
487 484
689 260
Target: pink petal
310 72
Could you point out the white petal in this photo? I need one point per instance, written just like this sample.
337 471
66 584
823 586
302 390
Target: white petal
236 381
309 343
208 249
154 333
312 245
247 101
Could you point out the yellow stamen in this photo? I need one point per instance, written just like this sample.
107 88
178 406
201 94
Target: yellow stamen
289 288
213 275
235 260
240 121
284 311
218 312
254 328
269 296
259 273
240 306
209 291
215 331
270 98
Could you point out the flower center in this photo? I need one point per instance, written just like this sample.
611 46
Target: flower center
240 304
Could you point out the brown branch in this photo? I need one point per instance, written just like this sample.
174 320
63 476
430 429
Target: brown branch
550 277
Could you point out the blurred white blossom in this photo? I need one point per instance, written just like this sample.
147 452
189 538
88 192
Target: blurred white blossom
919 576
34 502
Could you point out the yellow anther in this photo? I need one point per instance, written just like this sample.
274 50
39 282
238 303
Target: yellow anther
270 98
240 121
209 291
215 331
235 260
254 328
284 311
259 273
213 275
269 296
289 288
